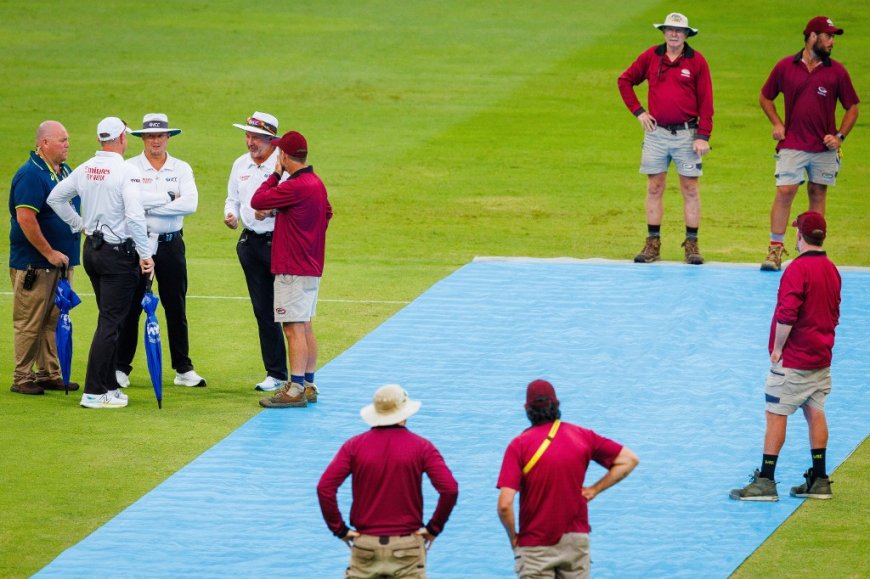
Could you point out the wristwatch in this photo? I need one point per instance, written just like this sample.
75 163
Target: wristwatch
841 136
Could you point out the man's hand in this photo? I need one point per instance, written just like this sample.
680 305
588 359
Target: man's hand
279 167
775 356
647 122
832 142
428 538
231 221
57 259
701 147
146 265
260 215
589 493
348 539
778 132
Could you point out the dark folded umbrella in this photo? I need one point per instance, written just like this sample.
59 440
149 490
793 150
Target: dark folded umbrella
65 299
153 349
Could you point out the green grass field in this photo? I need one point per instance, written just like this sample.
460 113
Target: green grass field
443 130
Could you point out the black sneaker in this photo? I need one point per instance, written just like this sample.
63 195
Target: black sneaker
814 487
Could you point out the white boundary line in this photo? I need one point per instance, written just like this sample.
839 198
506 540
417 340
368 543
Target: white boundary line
246 298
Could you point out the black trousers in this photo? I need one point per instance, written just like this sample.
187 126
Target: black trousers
170 269
255 255
114 275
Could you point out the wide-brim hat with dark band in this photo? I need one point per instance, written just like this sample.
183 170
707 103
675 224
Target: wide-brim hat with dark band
260 123
153 123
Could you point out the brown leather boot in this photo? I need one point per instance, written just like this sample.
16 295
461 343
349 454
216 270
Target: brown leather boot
29 387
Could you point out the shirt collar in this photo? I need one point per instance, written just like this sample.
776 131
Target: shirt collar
305 169
688 51
40 162
798 58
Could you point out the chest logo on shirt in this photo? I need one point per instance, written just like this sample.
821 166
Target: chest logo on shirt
244 177
171 179
96 174
686 73
823 91
147 180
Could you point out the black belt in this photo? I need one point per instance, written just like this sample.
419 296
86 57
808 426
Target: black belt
169 236
267 235
690 124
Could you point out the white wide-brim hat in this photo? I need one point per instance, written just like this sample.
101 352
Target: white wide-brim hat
677 20
390 405
260 123
155 123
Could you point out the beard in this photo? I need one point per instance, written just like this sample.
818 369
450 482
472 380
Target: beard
820 50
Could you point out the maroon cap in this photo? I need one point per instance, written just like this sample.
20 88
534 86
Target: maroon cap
811 224
822 24
293 144
540 394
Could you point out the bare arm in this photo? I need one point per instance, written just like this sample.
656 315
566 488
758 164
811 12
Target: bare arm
769 108
849 119
624 463
506 513
779 340
30 226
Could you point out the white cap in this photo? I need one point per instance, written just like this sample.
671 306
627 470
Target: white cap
677 20
261 123
111 128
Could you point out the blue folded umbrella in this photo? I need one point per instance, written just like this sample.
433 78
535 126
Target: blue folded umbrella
153 349
65 299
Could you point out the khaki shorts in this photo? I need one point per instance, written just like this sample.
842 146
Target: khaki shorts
661 147
567 559
295 297
372 556
792 166
787 389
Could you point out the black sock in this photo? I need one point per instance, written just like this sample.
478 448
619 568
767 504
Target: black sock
691 233
653 230
818 455
768 465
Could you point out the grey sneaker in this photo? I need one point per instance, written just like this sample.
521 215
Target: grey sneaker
693 253
814 487
650 252
760 489
290 395
773 261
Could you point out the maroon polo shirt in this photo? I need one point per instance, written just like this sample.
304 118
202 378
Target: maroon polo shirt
679 91
551 499
387 465
299 238
809 301
810 100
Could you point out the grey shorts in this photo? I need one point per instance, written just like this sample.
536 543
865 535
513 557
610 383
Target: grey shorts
787 389
568 559
793 166
295 297
661 147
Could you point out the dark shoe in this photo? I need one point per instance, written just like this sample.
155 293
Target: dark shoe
760 489
814 487
311 392
288 396
650 252
29 387
773 261
57 384
693 253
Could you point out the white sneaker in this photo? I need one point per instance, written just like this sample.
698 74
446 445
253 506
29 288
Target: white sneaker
122 379
118 394
270 384
107 400
191 379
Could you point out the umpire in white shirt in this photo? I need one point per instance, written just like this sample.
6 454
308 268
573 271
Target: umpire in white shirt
254 247
168 194
116 252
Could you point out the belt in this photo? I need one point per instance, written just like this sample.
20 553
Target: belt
267 235
169 236
385 540
690 124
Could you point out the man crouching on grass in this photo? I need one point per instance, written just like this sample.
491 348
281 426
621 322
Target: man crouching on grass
302 213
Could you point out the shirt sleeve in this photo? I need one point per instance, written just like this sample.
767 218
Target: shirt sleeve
605 450
231 205
59 200
133 211
327 490
633 76
846 91
772 88
790 297
511 474
448 489
704 94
